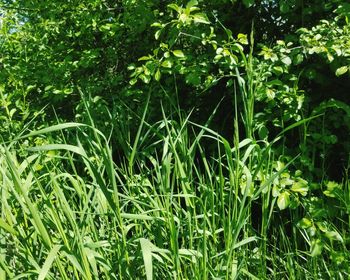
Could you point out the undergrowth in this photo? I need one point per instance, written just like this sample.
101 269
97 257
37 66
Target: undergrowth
169 209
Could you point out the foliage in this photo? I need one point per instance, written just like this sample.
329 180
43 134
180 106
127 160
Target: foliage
187 139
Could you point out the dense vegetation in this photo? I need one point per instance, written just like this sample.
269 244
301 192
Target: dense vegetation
149 139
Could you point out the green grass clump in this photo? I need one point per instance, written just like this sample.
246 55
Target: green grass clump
169 210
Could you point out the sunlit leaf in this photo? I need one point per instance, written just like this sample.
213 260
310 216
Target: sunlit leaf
201 18
283 200
341 70
316 248
178 53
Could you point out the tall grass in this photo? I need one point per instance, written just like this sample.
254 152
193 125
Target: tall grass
170 210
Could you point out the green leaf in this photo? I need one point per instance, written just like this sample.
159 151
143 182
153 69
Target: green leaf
242 38
283 200
145 58
48 262
275 191
191 4
49 147
298 59
334 235
201 18
300 187
217 57
157 75
7 227
133 81
156 24
167 63
278 70
316 248
245 241
137 217
175 8
157 34
188 252
341 71
145 78
270 93
146 248
53 128
286 60
131 67
305 223
178 53
332 189
330 57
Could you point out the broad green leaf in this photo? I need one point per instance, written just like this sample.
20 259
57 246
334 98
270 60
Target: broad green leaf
217 58
334 235
278 70
133 81
300 187
145 78
131 67
332 189
298 59
175 8
330 57
167 63
316 248
157 34
286 60
242 38
219 50
156 24
191 4
270 93
201 18
341 71
157 75
305 223
276 191
283 200
178 53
